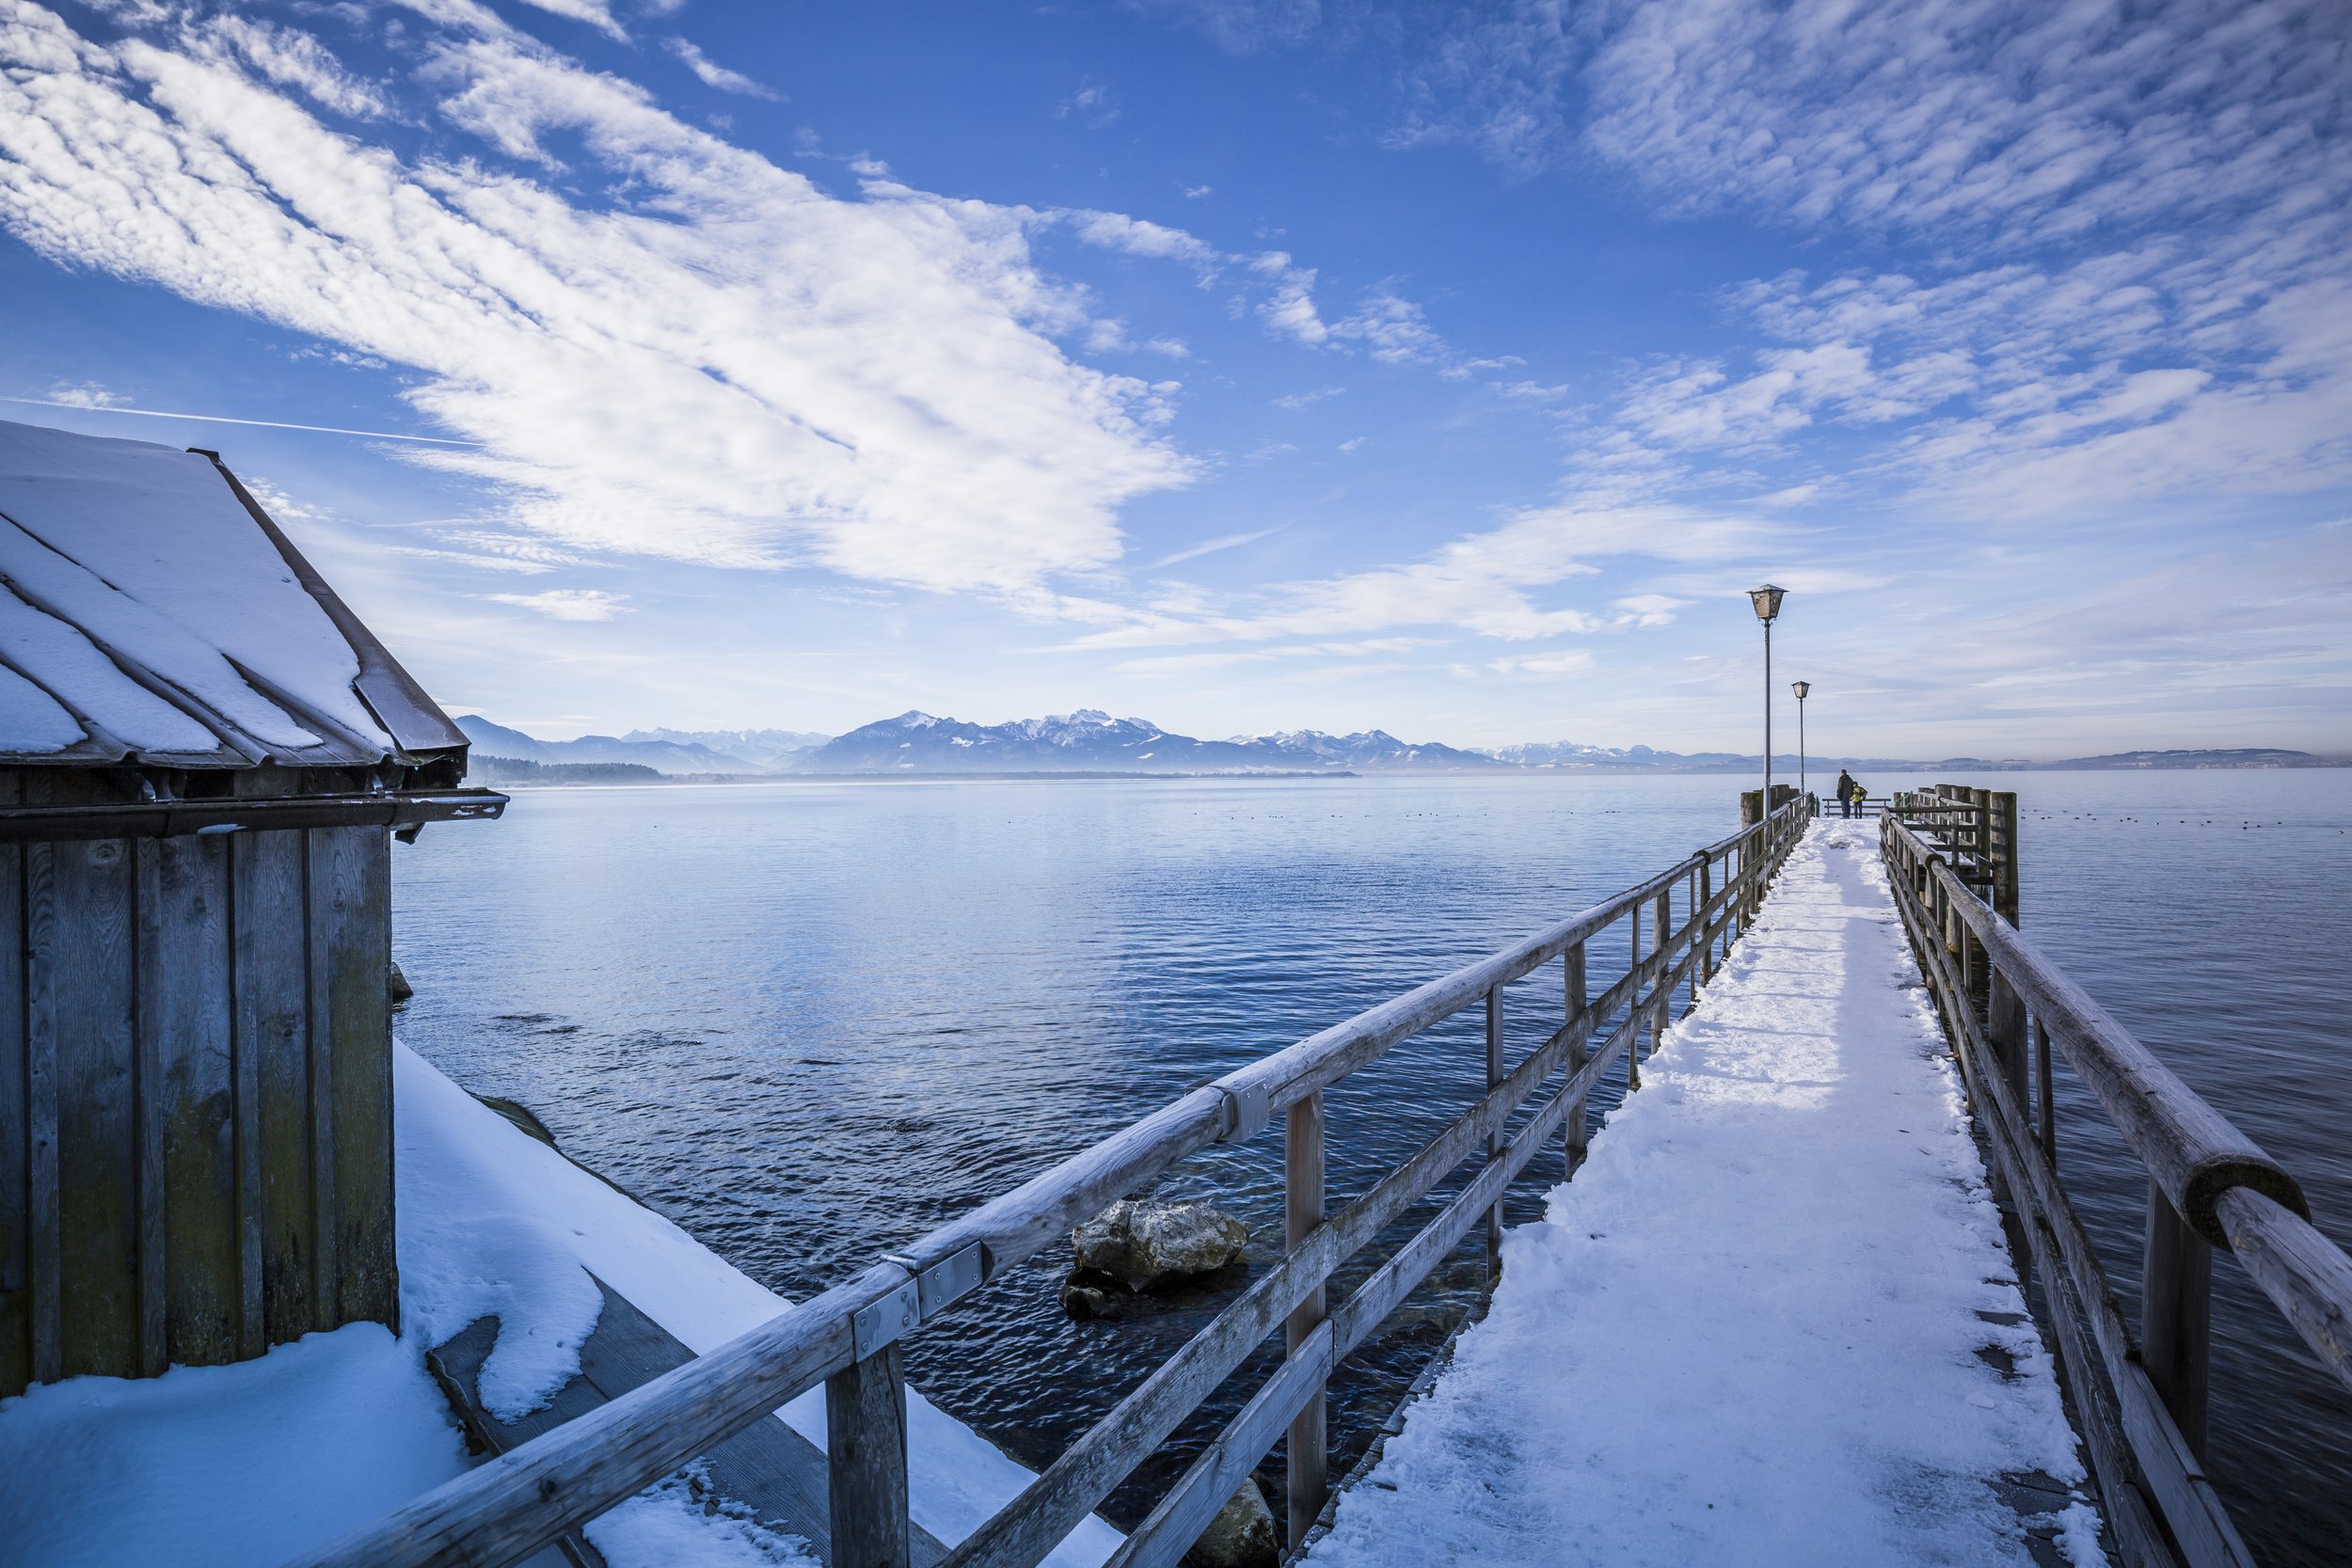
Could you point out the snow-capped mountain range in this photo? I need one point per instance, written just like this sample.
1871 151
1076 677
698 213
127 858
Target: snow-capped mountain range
1087 741
1092 741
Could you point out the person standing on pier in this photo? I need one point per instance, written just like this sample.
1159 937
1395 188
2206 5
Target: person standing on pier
1848 791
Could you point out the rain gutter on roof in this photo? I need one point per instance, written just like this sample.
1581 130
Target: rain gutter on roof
173 818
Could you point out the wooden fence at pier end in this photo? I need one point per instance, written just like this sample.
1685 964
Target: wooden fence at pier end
1676 926
1951 856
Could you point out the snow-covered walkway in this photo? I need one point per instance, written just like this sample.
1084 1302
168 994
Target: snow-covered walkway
1749 1331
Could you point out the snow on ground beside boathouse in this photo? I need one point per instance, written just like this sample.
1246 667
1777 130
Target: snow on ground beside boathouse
244 1465
1748 1331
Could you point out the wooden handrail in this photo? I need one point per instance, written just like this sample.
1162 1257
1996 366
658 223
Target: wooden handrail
2305 1273
505 1509
2189 1147
2142 1402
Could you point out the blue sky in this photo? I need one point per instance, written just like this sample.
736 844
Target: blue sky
1448 370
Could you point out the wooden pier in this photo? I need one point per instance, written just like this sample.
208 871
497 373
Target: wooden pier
1950 861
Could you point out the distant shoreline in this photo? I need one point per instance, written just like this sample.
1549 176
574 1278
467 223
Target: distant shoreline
603 776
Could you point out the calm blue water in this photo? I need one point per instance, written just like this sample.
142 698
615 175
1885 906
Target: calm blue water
810 1021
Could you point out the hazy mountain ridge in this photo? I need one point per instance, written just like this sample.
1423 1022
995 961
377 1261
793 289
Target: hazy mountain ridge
497 740
1092 741
764 749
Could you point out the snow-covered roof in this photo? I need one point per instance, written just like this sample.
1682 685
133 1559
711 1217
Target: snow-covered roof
153 613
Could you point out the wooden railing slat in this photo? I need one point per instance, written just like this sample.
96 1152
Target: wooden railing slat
1307 1462
1171 1527
2187 1146
2304 1273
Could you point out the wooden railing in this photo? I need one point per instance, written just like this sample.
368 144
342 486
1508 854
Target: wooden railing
1976 829
2007 1007
850 1337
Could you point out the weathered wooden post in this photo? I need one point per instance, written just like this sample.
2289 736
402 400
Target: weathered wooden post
2176 1315
1633 1006
2006 1030
1494 1139
1707 898
1662 940
1307 1458
1572 987
2005 855
866 1461
2047 1125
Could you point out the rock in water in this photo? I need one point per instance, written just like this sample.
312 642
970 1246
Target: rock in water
1241 1536
1086 1295
397 985
1143 1244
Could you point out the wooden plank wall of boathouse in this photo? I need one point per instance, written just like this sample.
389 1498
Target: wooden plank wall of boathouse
195 1129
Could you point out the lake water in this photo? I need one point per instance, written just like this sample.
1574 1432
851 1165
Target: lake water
810 1021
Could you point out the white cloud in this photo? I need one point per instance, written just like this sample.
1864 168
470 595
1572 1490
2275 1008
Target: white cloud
1987 114
1290 310
1462 370
1652 610
569 603
2041 390
291 59
1244 26
1493 584
1093 105
1551 666
1391 328
281 506
1141 237
730 367
1211 546
1307 399
595 13
1354 655
2132 229
1395 330
84 394
713 75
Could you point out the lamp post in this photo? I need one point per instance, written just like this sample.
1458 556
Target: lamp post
1802 690
1767 601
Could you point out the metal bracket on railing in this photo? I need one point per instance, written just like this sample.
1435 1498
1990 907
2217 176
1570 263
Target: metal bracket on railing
879 1323
926 1293
1246 1112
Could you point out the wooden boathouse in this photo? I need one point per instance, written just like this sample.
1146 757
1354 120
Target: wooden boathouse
204 757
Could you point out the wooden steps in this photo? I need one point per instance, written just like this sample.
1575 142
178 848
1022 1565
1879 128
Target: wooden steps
768 1468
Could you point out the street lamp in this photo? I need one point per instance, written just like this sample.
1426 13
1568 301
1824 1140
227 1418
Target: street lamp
1802 690
1767 601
